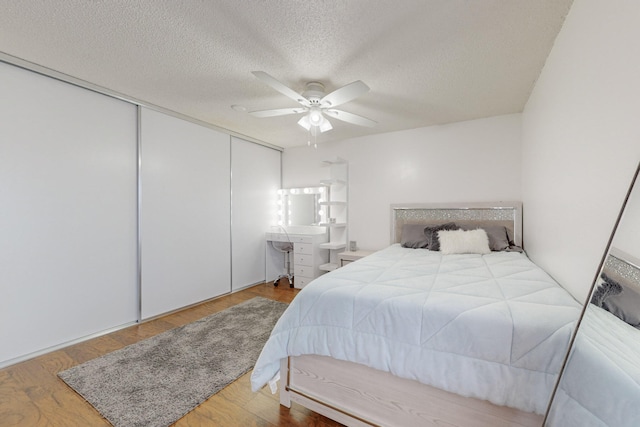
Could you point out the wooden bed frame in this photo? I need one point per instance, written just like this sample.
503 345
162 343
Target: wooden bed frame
356 395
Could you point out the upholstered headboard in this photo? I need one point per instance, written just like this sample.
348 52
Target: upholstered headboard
508 214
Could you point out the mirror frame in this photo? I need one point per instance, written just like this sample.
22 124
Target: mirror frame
607 250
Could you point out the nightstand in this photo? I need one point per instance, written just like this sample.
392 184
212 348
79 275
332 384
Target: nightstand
350 256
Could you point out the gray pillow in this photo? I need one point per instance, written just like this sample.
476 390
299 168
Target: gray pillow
432 234
413 236
620 300
604 290
498 237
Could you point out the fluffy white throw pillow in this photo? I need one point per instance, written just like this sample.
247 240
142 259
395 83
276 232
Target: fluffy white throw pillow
464 242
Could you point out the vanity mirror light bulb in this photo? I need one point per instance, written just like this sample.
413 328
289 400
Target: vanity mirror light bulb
279 202
307 190
321 190
279 222
289 212
281 192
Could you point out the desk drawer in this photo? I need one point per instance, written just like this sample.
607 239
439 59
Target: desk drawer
300 271
301 282
302 259
301 239
303 248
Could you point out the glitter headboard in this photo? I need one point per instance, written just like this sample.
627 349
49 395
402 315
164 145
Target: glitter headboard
623 268
508 214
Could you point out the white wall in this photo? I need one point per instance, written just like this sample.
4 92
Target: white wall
627 238
256 175
463 162
581 139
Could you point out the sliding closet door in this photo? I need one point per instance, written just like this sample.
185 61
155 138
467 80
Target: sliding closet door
255 182
185 213
67 213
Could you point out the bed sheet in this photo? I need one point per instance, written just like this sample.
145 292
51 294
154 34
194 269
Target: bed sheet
494 327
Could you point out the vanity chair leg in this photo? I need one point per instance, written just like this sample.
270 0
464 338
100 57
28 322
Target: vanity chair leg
291 282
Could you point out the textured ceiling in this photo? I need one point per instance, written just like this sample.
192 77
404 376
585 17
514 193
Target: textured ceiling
427 62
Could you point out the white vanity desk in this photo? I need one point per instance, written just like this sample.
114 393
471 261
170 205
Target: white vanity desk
306 258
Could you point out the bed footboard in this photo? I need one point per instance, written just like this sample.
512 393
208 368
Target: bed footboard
358 396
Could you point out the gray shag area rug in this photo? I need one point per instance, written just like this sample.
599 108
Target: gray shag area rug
156 381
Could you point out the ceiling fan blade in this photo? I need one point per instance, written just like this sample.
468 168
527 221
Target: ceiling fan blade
285 90
350 118
344 94
277 112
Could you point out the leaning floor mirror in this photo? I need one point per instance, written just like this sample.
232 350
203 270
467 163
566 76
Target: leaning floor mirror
600 382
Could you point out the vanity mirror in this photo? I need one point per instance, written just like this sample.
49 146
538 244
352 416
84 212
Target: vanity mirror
300 206
600 382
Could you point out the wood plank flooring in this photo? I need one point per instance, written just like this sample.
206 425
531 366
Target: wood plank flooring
31 394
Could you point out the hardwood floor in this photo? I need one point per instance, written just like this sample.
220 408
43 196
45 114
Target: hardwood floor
32 395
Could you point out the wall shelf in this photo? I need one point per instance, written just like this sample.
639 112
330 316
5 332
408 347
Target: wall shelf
333 182
328 267
336 161
335 207
333 245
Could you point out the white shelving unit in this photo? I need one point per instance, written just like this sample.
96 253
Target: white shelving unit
332 181
335 208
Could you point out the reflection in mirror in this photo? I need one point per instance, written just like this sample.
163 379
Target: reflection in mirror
600 382
300 206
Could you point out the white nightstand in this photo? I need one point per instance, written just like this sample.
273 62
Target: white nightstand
350 256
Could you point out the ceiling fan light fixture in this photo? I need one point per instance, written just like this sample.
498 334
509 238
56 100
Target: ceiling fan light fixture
315 117
325 126
309 123
304 122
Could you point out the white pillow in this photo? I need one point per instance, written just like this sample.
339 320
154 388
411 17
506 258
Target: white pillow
464 242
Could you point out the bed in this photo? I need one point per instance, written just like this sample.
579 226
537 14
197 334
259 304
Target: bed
420 337
601 382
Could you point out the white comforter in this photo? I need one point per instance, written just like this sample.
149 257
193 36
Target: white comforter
494 326
601 384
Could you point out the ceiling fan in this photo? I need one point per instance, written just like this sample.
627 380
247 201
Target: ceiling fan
316 103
